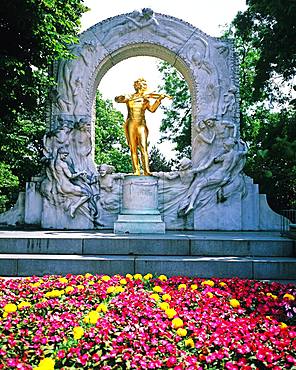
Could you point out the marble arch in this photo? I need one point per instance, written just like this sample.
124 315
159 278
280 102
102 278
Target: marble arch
76 193
208 64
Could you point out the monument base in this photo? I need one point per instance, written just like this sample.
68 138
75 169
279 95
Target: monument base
139 224
140 214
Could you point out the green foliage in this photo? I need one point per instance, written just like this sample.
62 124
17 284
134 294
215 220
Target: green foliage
266 51
157 161
110 142
8 185
176 125
269 25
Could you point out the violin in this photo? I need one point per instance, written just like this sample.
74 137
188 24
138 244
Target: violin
154 95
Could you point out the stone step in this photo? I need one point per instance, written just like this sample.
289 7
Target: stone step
240 244
261 268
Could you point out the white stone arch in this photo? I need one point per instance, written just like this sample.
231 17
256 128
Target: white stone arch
207 63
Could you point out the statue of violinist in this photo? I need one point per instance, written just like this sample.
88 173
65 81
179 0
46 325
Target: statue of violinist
135 127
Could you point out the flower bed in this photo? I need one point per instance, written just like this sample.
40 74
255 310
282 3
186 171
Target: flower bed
134 322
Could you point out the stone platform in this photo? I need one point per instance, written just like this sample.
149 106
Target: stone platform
252 255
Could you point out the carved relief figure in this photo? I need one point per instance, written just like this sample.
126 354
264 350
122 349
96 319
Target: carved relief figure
220 171
204 137
57 138
172 188
109 187
81 146
229 100
64 178
135 127
70 83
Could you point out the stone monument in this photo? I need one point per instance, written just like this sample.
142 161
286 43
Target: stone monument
207 192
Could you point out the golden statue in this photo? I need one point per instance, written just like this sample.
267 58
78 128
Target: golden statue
136 130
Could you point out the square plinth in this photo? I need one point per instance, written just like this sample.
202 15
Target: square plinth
139 224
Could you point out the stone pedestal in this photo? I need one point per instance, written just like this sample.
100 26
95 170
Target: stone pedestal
139 214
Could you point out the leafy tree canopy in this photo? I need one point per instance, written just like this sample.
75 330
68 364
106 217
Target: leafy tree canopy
176 124
269 27
110 142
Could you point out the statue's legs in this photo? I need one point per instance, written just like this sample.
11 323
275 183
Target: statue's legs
143 133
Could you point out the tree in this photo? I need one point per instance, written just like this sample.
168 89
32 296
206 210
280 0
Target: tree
264 37
157 161
269 25
176 124
110 142
33 34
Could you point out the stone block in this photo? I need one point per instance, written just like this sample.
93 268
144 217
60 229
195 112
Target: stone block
275 268
204 267
33 204
64 264
143 246
8 266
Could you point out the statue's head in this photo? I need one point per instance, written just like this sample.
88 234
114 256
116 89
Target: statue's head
63 153
105 169
140 84
185 163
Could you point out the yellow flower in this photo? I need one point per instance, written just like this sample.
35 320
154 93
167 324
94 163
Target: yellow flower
5 314
110 289
234 303
63 280
222 284
148 276
177 323
271 295
166 297
210 295
123 281
46 364
162 278
91 282
54 293
182 332
88 275
69 289
105 278
283 325
35 285
289 296
208 282
155 296
182 286
78 332
189 343
138 276
24 304
170 313
118 289
93 317
193 286
10 307
157 289
80 287
129 276
102 308
164 306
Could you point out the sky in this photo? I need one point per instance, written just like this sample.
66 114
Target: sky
209 16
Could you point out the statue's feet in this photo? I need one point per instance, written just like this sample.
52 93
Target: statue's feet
188 209
137 173
72 211
147 173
